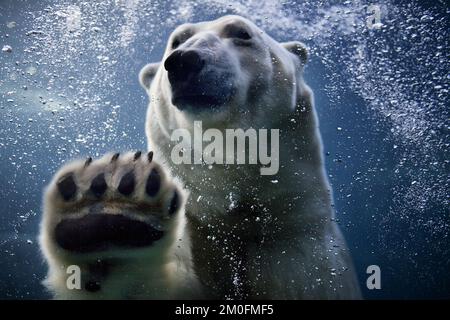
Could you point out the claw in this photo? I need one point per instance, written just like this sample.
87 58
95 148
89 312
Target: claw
150 156
115 157
137 155
88 161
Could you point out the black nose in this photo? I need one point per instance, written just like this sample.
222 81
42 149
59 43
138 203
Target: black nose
181 65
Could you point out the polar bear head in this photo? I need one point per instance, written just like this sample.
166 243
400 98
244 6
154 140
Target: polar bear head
227 73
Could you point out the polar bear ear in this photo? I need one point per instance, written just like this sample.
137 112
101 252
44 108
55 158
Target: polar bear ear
147 74
297 48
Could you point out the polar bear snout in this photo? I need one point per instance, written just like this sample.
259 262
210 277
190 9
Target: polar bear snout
183 65
198 81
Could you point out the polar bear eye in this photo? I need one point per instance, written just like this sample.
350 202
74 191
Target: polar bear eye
240 34
175 43
236 32
180 38
178 41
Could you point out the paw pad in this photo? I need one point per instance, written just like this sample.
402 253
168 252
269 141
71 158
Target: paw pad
67 187
153 183
126 186
98 185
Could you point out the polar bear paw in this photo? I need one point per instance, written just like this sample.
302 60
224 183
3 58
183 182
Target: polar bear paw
112 210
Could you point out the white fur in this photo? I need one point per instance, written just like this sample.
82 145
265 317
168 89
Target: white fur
161 271
245 236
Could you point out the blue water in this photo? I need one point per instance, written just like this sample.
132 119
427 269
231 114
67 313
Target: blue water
68 88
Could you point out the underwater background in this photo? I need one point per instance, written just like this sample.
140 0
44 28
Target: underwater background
69 89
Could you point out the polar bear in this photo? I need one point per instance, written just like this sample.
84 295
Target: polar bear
140 226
